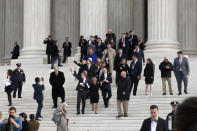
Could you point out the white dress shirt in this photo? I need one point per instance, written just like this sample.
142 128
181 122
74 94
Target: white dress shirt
154 125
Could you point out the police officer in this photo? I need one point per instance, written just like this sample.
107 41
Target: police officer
170 117
20 77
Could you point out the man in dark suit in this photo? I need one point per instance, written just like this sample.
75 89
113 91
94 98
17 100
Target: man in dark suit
67 45
20 76
119 56
55 55
181 71
57 80
106 80
90 68
135 73
84 47
123 44
82 89
110 36
132 41
155 123
139 53
16 51
100 47
38 95
50 42
170 118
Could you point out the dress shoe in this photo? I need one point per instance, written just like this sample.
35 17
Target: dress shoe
125 115
60 65
54 107
171 93
20 97
180 93
40 116
82 112
164 93
118 116
10 105
185 92
106 106
52 68
78 113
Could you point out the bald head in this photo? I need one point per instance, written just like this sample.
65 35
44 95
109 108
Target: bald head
56 69
123 74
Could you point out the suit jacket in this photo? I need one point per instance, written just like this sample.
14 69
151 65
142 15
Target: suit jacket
67 49
55 51
133 40
184 66
84 45
15 52
82 67
117 61
106 84
120 43
140 55
99 49
137 70
85 86
110 36
38 88
49 47
20 76
57 81
91 71
161 125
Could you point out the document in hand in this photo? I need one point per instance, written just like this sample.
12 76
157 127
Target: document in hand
7 82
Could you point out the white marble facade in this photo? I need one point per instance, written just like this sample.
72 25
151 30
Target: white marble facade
170 24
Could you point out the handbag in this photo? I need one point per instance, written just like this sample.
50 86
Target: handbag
56 118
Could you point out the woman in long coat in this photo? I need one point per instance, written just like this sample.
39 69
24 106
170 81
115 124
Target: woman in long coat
63 124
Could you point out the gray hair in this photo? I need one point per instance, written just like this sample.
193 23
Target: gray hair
63 104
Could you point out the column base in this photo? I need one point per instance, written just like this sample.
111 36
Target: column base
190 51
162 47
158 50
31 56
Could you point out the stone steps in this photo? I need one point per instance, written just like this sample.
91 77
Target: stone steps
105 120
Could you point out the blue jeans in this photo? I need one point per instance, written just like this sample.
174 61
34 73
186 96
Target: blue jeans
54 58
39 108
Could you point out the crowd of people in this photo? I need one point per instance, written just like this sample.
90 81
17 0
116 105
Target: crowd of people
98 61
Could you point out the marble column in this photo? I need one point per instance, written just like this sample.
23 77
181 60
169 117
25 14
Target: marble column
93 18
162 26
36 28
187 27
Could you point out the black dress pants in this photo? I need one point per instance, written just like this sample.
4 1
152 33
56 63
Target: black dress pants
19 88
134 82
106 95
81 96
9 90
